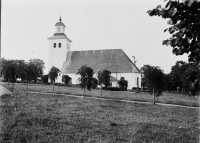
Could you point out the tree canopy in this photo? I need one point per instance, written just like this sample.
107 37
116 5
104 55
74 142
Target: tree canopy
123 83
13 69
106 77
185 76
66 79
86 77
184 21
154 78
53 74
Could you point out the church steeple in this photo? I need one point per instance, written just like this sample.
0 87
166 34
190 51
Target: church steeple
59 45
60 27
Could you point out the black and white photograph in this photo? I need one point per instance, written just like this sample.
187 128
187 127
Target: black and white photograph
100 71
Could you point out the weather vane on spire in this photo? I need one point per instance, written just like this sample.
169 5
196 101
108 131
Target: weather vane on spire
60 17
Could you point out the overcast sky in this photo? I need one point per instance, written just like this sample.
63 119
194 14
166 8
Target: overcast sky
90 24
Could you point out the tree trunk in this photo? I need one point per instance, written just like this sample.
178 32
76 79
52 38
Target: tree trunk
13 86
84 93
101 90
154 102
26 86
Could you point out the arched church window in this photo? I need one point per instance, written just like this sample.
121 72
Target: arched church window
59 45
54 45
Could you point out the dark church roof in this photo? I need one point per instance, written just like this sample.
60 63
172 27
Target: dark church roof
111 59
60 23
59 36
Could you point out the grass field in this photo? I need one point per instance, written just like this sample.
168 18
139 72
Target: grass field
37 118
166 98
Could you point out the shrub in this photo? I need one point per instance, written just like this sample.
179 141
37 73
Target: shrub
113 88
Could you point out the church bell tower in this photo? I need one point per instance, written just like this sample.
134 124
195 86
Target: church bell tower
59 45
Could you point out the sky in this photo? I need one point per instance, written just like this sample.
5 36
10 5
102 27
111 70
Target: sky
91 25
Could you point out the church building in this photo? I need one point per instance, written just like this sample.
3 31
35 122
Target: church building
114 60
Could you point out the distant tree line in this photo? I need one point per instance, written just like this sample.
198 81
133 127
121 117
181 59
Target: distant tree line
184 77
11 70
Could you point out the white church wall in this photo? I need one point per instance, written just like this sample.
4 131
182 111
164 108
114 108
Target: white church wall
73 76
57 55
130 77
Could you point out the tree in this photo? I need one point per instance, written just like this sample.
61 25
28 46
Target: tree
35 68
100 79
45 79
94 83
185 76
176 75
86 76
190 78
154 78
106 77
184 18
9 70
53 74
123 83
66 79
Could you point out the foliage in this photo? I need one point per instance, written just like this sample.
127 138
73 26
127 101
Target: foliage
13 69
100 77
154 78
66 79
45 79
35 69
9 70
185 76
123 83
86 76
104 77
113 88
53 74
94 83
184 18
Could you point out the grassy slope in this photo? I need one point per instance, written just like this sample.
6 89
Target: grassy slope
47 118
166 98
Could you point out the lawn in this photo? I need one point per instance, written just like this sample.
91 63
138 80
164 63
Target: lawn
166 98
37 118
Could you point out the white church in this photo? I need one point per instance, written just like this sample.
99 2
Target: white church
115 60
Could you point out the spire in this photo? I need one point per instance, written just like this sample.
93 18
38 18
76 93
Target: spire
60 17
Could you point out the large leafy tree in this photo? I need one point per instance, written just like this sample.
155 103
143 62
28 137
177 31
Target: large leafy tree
184 18
190 78
86 77
9 70
154 78
35 69
176 75
185 76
